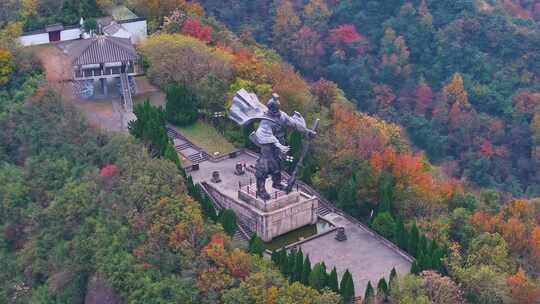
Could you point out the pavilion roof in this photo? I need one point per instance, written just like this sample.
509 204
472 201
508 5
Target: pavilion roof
103 49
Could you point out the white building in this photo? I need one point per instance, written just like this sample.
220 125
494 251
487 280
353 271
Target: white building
121 23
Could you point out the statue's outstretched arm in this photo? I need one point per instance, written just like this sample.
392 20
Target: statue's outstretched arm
297 122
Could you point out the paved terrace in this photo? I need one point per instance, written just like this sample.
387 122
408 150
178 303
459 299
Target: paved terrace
365 254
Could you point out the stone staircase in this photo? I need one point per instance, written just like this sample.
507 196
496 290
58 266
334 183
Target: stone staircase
126 93
323 209
185 147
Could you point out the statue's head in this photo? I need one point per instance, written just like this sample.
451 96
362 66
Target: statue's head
273 105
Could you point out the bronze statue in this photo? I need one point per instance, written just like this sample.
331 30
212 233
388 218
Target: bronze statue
270 136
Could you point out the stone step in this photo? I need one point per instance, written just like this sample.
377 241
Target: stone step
323 210
239 236
184 146
197 158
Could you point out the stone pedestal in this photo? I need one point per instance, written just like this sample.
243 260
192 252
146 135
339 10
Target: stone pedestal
284 212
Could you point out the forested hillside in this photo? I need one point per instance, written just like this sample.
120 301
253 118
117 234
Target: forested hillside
88 217
429 124
461 76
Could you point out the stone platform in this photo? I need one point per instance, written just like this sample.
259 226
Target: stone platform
284 212
368 256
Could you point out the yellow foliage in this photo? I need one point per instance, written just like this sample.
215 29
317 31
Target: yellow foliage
6 66
455 92
29 8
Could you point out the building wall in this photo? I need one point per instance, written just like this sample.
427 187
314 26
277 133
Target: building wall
43 37
269 225
70 34
34 39
138 30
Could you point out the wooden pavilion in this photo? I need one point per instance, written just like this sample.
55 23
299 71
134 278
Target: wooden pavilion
104 58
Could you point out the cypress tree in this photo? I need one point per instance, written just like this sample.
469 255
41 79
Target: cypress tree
181 106
326 275
291 260
295 142
256 245
423 245
347 197
283 261
392 279
170 154
298 266
413 240
317 277
346 287
415 269
228 221
369 294
211 210
402 235
275 257
306 271
333 280
386 189
382 289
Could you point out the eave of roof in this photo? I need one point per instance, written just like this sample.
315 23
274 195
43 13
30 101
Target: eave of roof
103 49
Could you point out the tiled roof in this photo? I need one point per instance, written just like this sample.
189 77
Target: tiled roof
54 27
112 28
103 49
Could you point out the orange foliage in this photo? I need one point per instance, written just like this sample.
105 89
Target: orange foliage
521 209
294 91
238 263
514 233
248 66
408 170
534 242
215 249
522 290
361 135
482 221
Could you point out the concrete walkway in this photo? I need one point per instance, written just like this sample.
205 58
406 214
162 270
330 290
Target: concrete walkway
367 256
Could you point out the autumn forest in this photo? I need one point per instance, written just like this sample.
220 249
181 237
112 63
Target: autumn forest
429 134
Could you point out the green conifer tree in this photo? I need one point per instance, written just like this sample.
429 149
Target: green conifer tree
402 235
298 267
382 289
306 271
284 260
295 143
317 277
333 280
423 245
392 279
172 155
181 106
346 287
291 260
386 192
274 257
228 221
414 237
415 269
369 295
256 245
347 197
